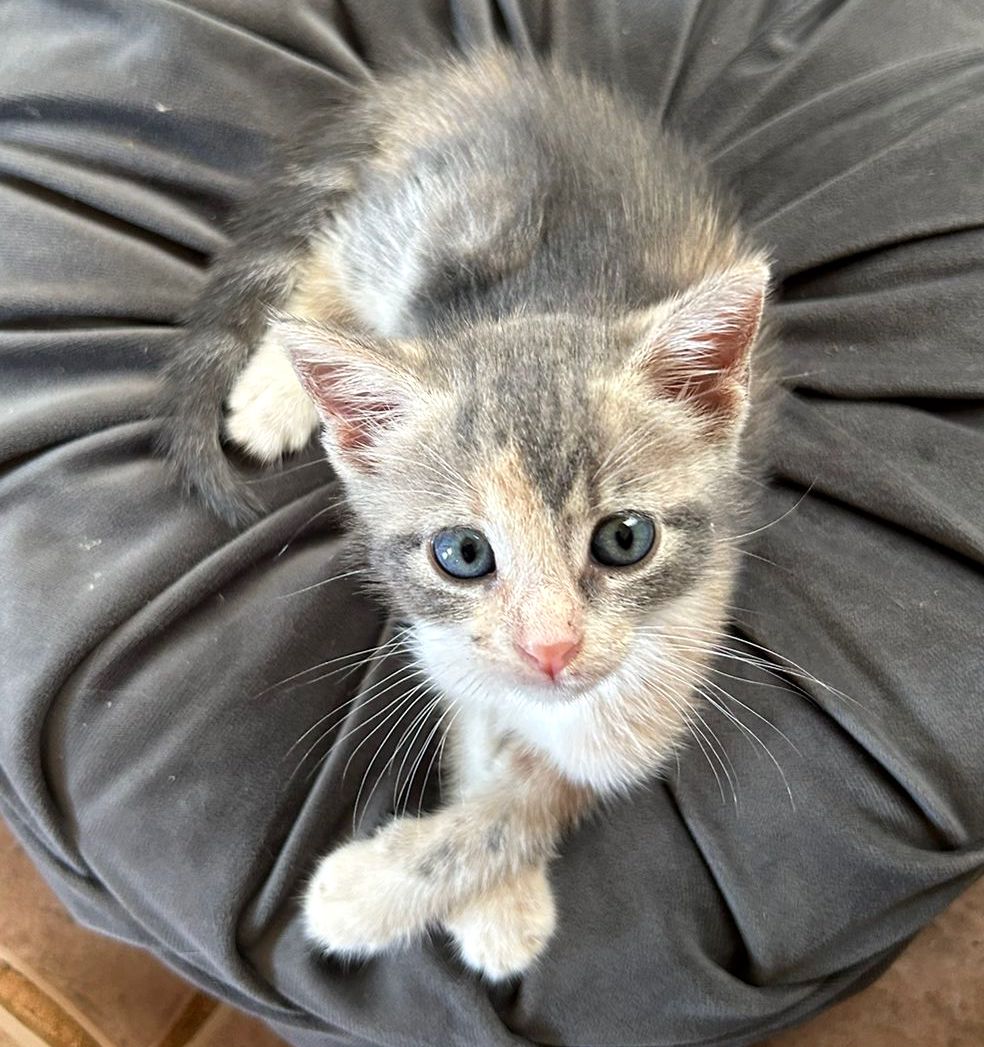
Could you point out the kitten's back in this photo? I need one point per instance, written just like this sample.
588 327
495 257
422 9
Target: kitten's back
502 185
483 188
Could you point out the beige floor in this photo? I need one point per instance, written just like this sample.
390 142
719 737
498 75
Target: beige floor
62 986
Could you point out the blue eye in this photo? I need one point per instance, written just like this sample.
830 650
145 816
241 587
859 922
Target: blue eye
463 552
622 539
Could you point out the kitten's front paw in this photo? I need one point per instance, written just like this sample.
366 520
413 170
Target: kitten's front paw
359 902
501 932
270 414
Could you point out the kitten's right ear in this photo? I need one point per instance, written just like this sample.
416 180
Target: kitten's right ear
357 385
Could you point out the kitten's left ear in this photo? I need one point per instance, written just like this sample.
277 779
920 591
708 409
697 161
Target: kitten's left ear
361 387
696 347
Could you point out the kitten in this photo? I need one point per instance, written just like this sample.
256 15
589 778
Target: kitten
523 319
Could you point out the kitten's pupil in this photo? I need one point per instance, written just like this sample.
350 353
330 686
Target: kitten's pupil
468 551
624 537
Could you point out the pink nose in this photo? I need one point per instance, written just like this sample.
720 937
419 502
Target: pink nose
551 658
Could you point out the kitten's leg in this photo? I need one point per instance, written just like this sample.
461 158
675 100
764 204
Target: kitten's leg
269 413
502 931
414 872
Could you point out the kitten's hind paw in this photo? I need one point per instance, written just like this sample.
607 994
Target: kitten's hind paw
503 931
269 413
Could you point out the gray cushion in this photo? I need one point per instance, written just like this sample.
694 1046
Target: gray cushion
149 752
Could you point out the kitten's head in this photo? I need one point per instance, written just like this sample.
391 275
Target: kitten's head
537 493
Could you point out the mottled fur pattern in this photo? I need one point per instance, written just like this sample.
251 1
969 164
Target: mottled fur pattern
514 304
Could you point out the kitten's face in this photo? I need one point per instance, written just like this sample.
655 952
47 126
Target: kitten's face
532 565
532 506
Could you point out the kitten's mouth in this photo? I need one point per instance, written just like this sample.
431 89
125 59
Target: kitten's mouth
563 687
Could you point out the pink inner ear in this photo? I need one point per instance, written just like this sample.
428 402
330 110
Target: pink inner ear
703 355
355 427
350 404
356 422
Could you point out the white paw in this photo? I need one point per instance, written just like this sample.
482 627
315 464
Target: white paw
360 901
501 933
270 414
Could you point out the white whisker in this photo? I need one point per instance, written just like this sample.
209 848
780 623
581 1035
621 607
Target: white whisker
340 713
414 729
321 512
325 581
409 702
779 519
371 651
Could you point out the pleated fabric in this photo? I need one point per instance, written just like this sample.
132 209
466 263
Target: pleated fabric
164 679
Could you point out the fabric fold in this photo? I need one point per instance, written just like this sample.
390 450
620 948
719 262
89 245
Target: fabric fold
173 734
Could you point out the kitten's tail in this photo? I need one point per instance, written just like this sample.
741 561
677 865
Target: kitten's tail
196 381
254 274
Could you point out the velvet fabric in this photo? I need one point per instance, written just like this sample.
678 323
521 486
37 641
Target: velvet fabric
151 715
